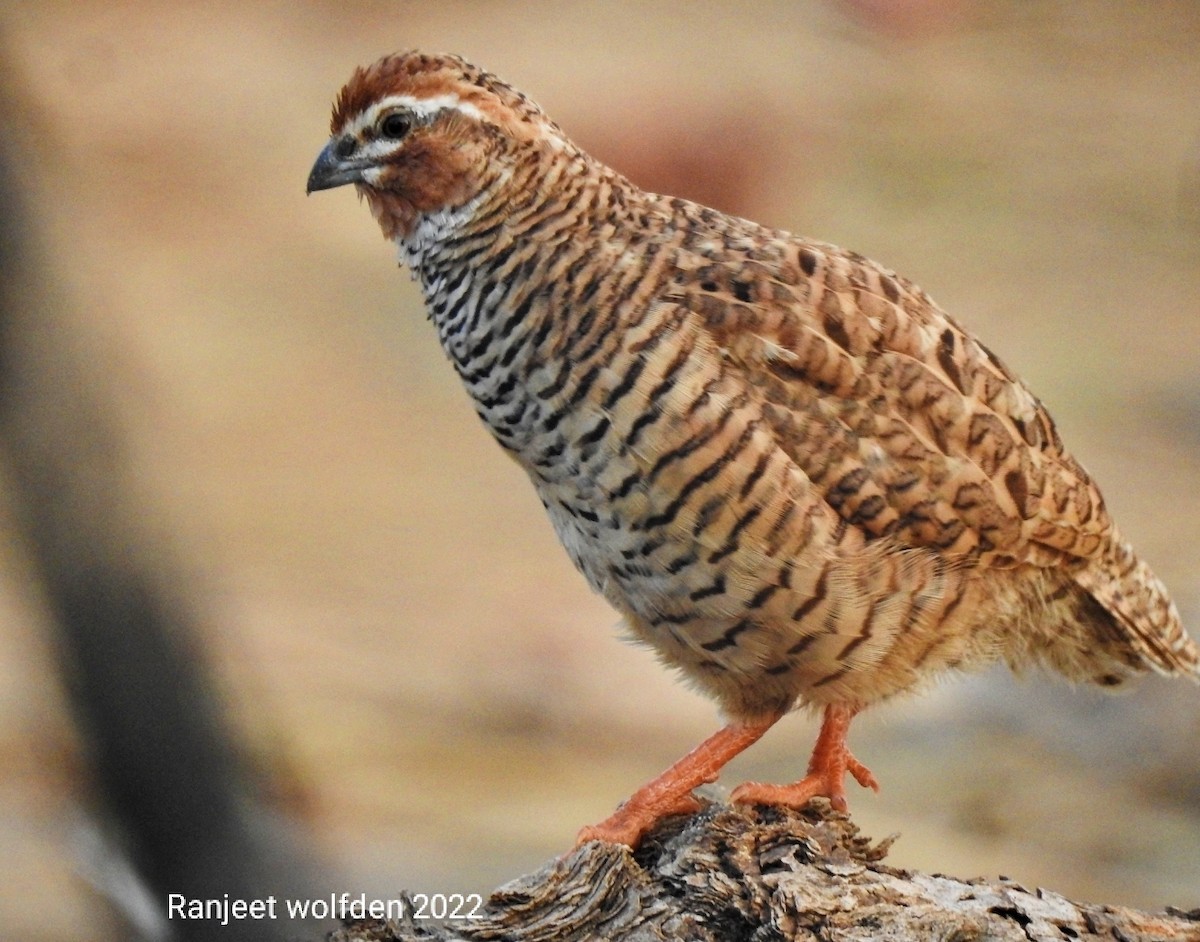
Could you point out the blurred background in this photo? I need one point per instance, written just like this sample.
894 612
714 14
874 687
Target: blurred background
420 684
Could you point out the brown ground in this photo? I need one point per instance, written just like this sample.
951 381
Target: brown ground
396 630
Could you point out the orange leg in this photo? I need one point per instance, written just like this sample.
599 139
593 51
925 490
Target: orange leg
671 792
827 769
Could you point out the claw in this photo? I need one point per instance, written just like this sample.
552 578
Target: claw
633 820
827 769
671 792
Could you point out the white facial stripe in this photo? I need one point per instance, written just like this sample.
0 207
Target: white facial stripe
424 107
421 107
377 148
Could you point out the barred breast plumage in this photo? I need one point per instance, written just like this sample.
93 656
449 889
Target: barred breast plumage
799 480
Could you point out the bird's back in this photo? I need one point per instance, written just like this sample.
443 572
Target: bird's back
918 436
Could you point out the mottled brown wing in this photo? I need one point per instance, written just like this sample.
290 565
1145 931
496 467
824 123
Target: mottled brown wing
910 427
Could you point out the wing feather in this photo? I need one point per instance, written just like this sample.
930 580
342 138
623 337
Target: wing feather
910 427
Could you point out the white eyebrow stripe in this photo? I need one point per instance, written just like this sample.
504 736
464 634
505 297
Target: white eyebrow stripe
421 107
424 107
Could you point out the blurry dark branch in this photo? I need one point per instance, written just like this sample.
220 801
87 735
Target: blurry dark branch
170 782
761 875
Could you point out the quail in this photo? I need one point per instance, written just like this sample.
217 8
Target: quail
798 479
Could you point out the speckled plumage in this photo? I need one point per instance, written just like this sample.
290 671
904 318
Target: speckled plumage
799 480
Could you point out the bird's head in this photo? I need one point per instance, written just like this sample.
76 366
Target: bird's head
423 134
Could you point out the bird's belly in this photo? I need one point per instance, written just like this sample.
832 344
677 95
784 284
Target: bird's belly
722 554
830 621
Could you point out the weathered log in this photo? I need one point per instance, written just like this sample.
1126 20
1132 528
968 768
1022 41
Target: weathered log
765 875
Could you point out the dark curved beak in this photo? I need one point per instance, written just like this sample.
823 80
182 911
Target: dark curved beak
330 170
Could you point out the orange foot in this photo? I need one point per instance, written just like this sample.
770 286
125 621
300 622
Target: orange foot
671 792
827 769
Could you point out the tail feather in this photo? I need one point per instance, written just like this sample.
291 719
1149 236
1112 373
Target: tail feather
1142 609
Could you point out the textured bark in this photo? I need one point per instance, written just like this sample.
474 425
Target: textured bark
761 875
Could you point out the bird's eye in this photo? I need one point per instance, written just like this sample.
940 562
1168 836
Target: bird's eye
395 125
